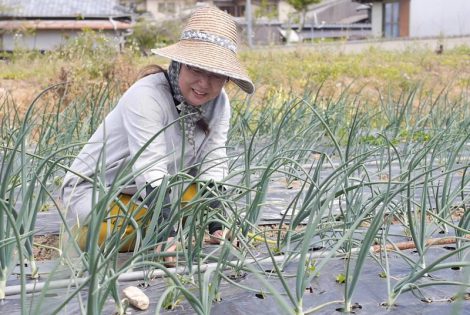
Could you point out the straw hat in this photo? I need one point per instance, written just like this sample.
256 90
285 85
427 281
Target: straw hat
209 41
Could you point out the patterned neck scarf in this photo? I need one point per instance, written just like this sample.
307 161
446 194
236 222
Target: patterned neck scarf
194 113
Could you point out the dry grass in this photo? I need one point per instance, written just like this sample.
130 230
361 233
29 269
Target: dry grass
275 73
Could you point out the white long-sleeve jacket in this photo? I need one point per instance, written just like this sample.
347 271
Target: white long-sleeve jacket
145 109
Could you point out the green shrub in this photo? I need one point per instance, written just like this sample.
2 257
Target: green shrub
150 34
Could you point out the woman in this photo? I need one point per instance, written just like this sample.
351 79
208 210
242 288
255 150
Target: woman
142 125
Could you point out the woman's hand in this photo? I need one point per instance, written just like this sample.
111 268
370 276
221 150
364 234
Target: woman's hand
170 249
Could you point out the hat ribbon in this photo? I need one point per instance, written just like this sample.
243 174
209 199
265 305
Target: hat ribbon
211 38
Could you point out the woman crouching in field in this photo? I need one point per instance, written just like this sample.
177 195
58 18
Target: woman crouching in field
166 122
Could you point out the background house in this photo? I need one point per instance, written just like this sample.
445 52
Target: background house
275 21
335 19
419 18
169 9
47 24
267 14
337 11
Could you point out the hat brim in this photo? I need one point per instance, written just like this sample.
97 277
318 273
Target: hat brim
210 57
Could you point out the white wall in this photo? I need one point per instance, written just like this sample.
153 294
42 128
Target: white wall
182 7
284 9
377 19
439 17
44 40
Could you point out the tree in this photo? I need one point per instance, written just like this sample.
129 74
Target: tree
301 6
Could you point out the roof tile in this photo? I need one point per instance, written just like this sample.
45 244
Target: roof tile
61 8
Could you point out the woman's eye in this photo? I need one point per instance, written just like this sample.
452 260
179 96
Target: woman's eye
195 70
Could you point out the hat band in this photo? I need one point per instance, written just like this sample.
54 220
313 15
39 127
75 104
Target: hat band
211 38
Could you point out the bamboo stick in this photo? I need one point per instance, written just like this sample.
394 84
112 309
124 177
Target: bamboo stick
411 244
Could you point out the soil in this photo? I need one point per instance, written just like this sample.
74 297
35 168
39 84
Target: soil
272 230
46 247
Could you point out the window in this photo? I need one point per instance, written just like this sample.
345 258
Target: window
229 9
241 10
166 7
233 10
171 7
391 19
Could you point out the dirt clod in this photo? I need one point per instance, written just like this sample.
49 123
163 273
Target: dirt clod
46 247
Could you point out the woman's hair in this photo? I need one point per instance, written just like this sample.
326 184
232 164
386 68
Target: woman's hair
148 70
202 123
152 69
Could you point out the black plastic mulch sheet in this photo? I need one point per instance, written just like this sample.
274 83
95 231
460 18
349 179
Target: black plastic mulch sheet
369 295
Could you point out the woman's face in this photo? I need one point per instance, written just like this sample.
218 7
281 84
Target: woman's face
199 86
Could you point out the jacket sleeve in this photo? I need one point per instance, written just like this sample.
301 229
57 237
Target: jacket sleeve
145 119
213 156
